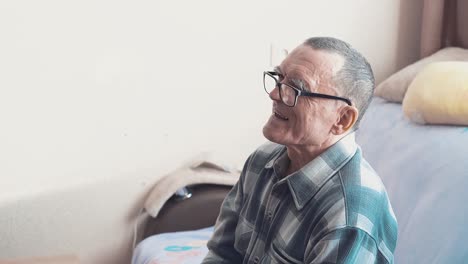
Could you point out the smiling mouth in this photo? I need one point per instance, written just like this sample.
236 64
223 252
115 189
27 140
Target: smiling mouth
277 115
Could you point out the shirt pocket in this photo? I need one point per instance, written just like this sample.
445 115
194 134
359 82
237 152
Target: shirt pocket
243 235
278 255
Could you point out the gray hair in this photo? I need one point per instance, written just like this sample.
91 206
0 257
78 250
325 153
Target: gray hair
355 80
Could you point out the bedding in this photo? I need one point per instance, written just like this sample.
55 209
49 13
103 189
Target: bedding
425 171
188 247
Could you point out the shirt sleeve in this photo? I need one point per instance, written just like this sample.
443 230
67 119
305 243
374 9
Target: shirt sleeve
346 245
221 245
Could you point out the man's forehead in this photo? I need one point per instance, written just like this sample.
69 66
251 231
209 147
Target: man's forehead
305 58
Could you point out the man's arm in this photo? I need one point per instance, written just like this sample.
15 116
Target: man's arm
221 245
346 245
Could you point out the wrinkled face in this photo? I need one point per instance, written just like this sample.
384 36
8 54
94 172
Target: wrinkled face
309 123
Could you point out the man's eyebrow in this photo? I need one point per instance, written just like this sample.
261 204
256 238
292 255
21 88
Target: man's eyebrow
298 83
278 70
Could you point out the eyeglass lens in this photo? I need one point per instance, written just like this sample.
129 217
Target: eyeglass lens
287 94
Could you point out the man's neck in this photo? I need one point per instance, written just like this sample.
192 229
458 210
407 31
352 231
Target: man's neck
299 156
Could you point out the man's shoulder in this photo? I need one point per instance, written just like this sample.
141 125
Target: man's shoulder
367 203
362 187
359 176
359 179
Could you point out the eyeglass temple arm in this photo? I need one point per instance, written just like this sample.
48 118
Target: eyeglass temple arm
324 96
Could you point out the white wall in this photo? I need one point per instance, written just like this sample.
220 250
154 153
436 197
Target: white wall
98 98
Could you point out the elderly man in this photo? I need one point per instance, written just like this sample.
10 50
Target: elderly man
309 197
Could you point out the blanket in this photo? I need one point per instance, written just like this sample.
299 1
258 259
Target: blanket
204 170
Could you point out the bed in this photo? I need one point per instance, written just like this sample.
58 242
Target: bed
424 168
180 232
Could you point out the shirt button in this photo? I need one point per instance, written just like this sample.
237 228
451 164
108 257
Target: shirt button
270 214
256 259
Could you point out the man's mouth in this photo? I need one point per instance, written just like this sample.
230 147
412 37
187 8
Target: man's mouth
278 115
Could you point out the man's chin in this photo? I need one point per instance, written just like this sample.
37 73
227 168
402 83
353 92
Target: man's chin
269 134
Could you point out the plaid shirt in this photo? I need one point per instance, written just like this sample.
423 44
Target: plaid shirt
333 210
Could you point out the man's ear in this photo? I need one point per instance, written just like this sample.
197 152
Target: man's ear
348 116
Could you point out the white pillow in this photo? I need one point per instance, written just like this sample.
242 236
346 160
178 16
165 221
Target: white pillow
439 94
394 87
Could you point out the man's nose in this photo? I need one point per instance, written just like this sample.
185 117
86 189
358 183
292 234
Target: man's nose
274 94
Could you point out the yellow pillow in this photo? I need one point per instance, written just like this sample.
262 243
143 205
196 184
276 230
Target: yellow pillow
439 94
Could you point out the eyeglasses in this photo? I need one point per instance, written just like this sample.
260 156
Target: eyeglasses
289 93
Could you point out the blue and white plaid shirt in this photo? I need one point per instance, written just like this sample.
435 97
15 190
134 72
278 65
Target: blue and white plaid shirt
333 210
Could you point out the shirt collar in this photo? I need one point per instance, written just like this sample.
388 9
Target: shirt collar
307 181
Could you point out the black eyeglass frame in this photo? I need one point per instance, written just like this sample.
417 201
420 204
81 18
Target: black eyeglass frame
298 91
